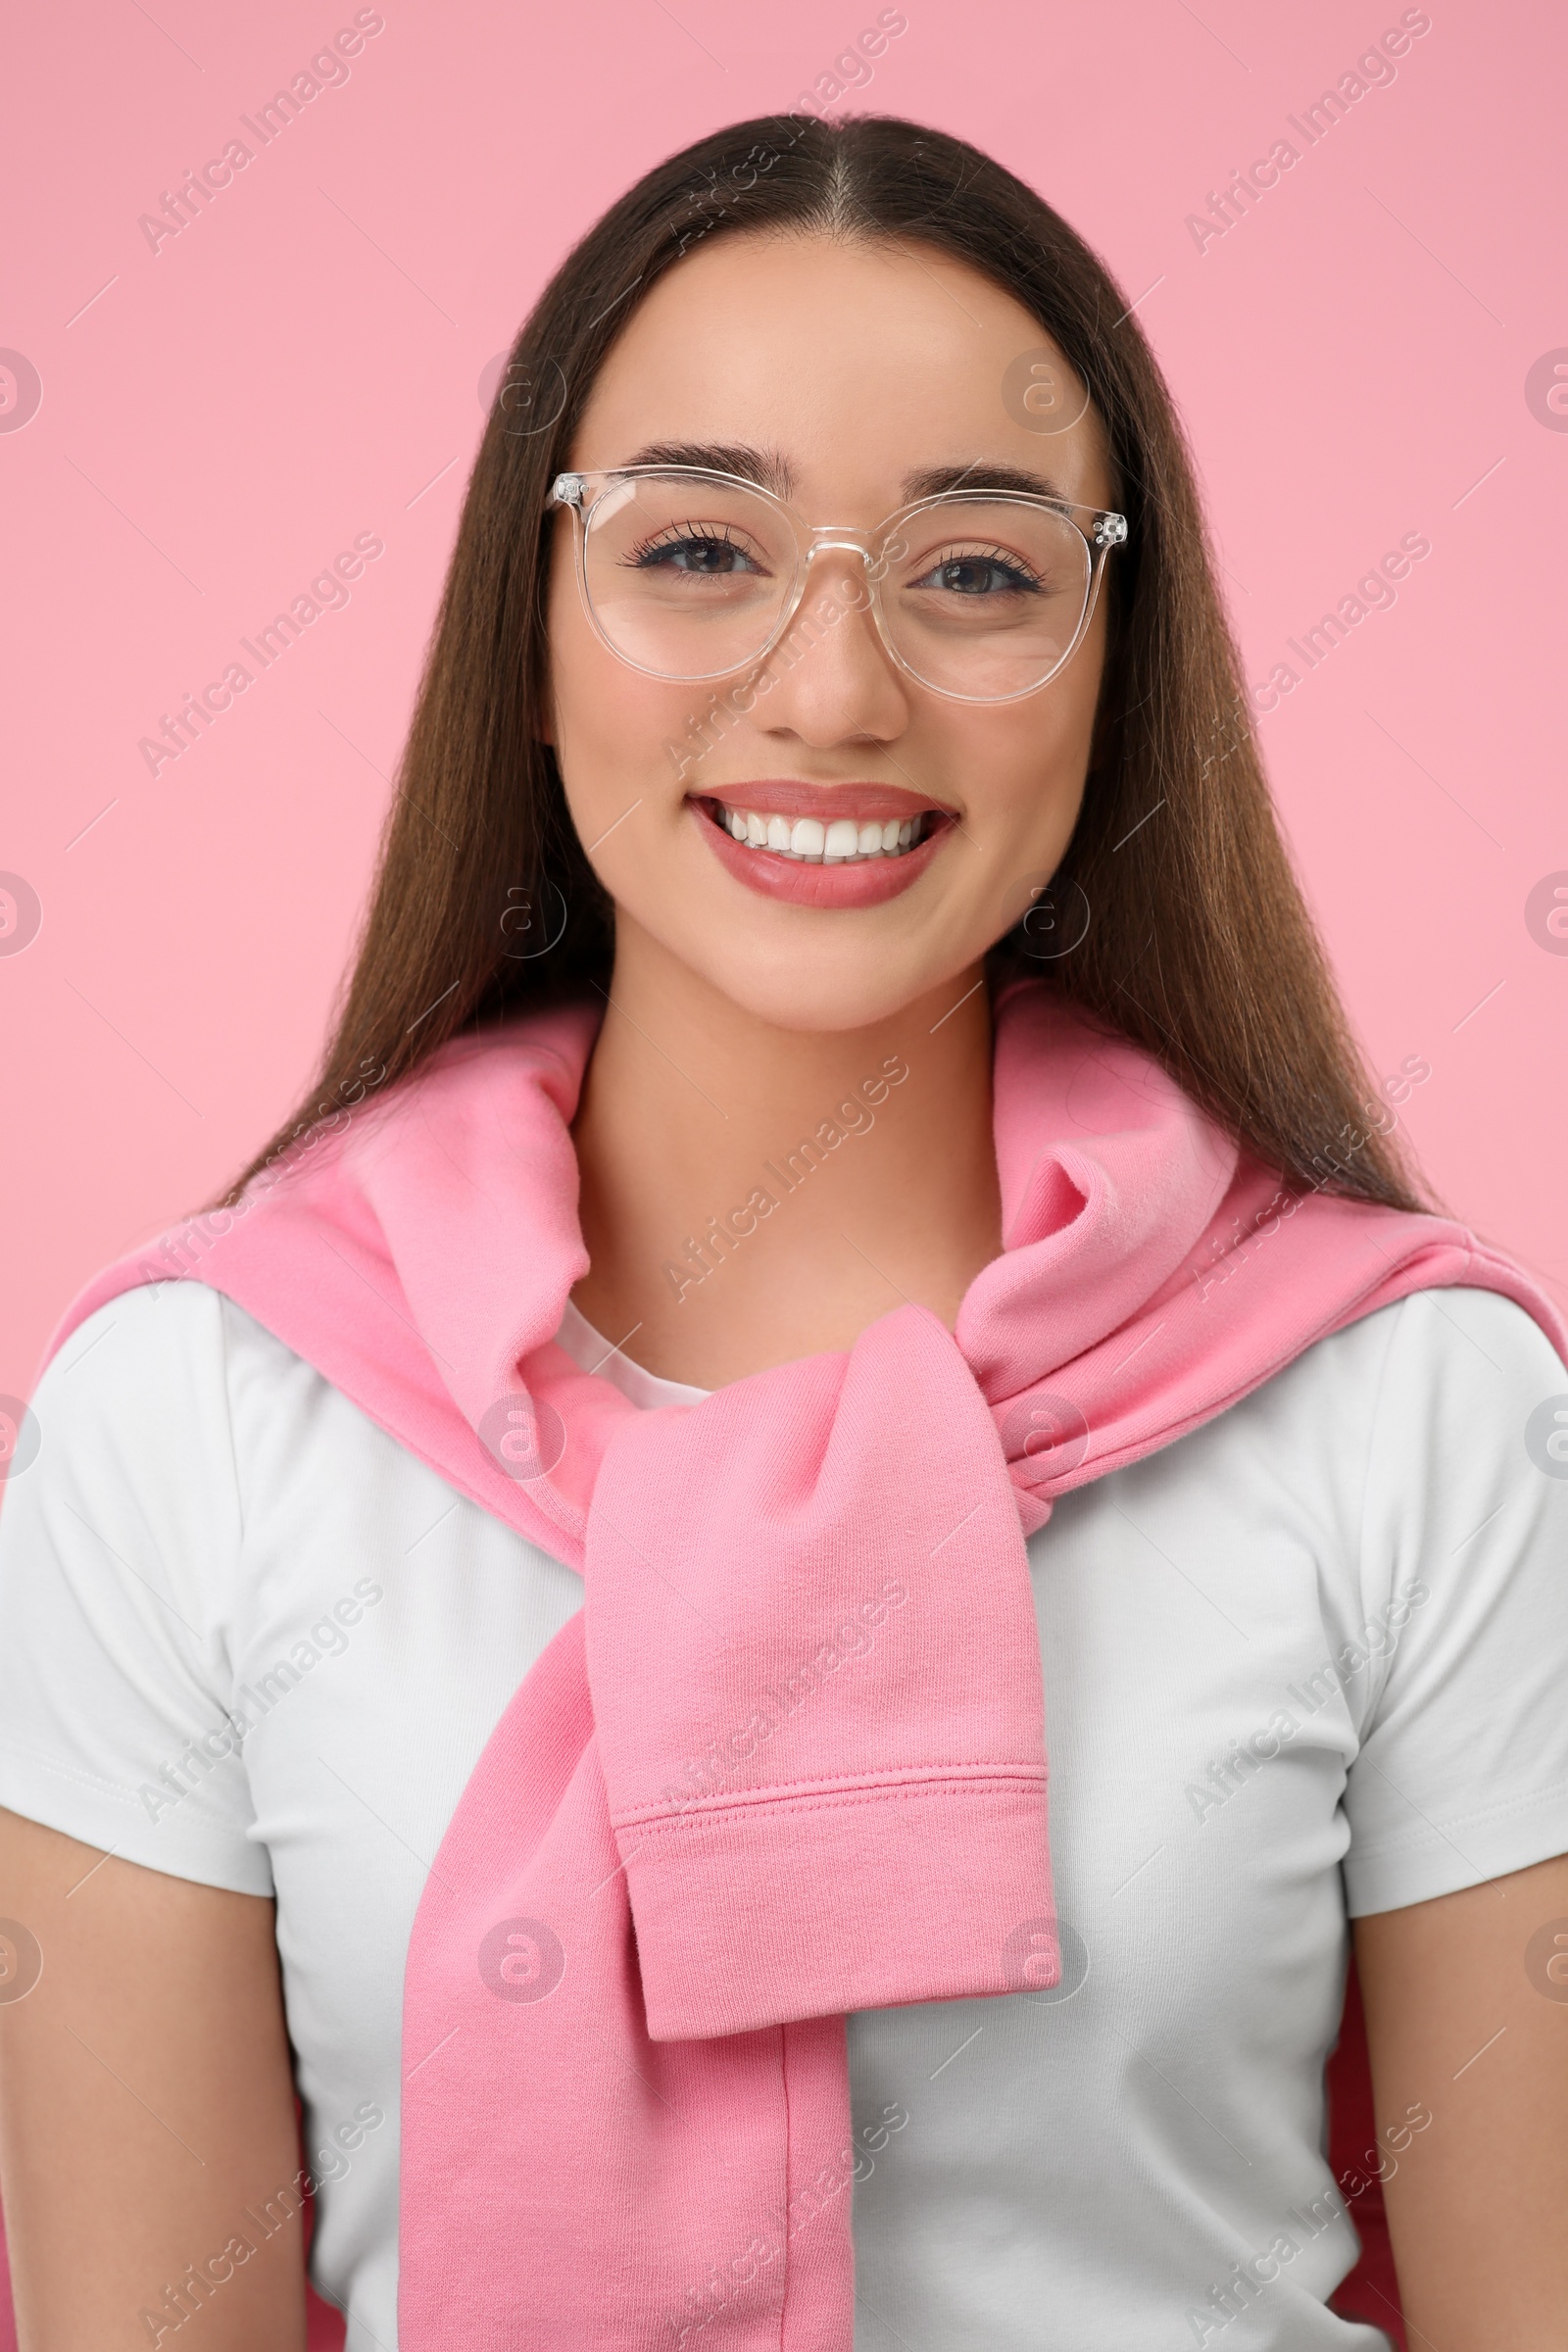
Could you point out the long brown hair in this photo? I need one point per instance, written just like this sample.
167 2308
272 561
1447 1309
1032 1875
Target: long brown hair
1198 944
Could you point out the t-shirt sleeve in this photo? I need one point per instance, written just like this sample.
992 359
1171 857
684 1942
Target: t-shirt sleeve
1463 1770
119 1548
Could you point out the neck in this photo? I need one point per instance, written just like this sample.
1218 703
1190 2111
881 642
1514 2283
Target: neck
753 1193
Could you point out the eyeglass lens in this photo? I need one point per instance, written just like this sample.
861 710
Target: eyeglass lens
688 576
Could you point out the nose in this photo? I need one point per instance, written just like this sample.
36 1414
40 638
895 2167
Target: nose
832 677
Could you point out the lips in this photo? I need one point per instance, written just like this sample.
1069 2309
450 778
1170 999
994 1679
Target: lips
842 845
786 796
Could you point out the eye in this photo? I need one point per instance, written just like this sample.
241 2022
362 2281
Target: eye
701 550
980 574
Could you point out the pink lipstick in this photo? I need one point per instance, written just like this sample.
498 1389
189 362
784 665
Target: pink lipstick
822 845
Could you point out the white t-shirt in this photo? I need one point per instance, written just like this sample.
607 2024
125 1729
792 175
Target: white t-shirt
1310 1660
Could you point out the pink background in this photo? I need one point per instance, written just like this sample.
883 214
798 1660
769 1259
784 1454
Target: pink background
220 417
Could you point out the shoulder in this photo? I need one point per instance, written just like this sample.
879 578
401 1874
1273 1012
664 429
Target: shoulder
1425 1405
142 1403
139 1368
1387 1443
161 1351
1466 1368
1431 1353
1460 1324
1463 1654
1469 1419
122 1546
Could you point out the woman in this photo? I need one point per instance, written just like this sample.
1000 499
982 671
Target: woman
834 1000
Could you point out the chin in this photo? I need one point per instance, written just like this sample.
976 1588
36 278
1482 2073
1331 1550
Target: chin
838 995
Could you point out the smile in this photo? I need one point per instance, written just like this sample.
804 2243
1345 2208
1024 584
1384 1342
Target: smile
807 839
827 846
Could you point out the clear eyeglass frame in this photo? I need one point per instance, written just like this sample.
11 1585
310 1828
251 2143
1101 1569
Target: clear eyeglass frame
1101 527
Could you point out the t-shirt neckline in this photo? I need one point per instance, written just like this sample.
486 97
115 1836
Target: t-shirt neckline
591 1352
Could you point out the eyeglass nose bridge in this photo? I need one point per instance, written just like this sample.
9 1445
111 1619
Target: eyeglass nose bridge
847 538
843 538
827 538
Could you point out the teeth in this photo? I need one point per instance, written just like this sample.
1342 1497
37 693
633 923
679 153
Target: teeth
807 839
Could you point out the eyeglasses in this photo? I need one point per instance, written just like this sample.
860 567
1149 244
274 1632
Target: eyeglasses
690 575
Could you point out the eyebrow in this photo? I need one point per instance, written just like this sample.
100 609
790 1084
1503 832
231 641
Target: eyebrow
771 471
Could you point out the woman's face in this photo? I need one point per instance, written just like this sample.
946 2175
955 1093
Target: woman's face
852 369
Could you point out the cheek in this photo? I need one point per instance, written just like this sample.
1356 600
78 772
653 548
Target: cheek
620 739
602 712
1024 766
1028 762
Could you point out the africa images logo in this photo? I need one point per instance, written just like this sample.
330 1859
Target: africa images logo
21 391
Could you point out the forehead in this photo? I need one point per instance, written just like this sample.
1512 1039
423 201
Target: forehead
856 368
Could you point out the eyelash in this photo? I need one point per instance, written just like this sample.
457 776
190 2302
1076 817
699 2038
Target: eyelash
704 536
1003 557
688 534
